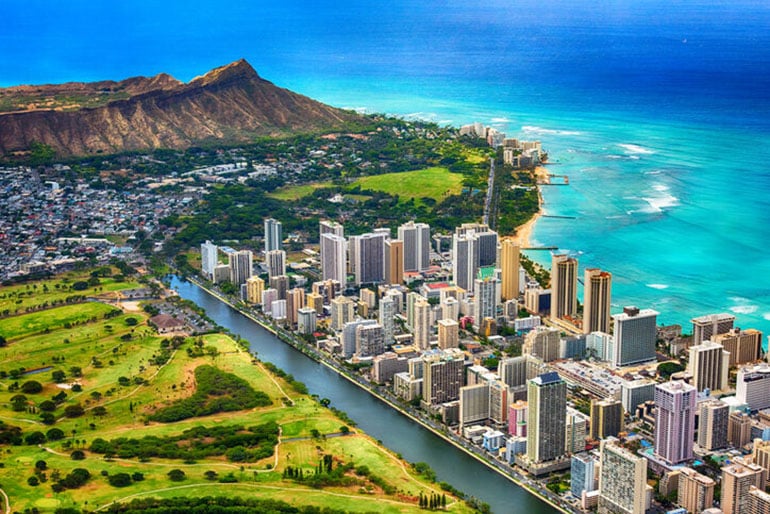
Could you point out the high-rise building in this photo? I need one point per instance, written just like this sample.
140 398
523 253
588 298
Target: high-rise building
394 261
758 502
583 474
273 235
737 479
636 392
209 258
268 297
674 421
465 260
744 346
448 334
738 429
543 342
443 376
498 403
509 265
240 264
450 309
575 431
635 336
517 418
342 312
416 238
760 454
330 227
367 257
278 310
306 320
752 386
513 371
254 288
486 299
281 284
708 366
712 427
564 270
295 300
387 318
597 297
334 257
474 404
606 418
276 263
622 480
486 238
705 327
422 324
696 491
546 417
349 336
315 301
370 340
600 345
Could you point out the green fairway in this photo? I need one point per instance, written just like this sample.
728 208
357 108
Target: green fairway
119 373
436 183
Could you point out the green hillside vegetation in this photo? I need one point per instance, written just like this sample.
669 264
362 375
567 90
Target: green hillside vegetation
216 392
97 385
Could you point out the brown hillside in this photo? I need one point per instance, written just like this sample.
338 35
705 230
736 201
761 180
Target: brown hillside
231 103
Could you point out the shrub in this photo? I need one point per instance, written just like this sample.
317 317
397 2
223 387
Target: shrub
34 438
119 480
31 387
55 434
33 481
78 455
74 411
176 475
47 406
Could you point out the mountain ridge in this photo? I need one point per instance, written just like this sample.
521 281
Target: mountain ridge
230 103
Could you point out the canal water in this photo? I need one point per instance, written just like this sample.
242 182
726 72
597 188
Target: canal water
395 430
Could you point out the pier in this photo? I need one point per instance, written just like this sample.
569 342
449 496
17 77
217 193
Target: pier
553 216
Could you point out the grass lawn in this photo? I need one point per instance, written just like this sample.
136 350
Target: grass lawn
108 349
292 193
436 183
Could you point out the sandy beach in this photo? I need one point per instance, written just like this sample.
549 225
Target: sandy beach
524 232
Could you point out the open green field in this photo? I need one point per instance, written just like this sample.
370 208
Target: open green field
436 183
17 299
124 373
292 193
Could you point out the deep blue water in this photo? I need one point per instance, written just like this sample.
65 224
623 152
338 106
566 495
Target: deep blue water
658 111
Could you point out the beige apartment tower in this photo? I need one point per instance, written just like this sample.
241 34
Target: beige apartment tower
745 346
255 286
394 261
622 480
737 479
509 264
564 270
597 296
709 363
448 334
696 491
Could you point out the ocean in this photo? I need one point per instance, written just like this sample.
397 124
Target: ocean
658 111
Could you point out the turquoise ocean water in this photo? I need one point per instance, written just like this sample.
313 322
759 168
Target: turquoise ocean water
659 112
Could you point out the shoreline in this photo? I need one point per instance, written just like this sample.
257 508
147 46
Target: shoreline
445 435
523 235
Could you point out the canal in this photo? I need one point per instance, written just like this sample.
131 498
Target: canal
396 431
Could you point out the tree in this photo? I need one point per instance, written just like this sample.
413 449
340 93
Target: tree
55 434
33 481
47 406
100 411
58 376
34 438
176 475
19 403
41 465
119 480
74 411
78 455
31 387
3 342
